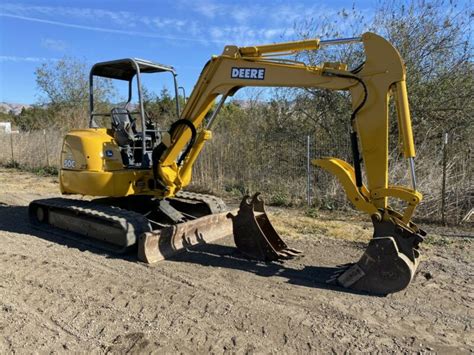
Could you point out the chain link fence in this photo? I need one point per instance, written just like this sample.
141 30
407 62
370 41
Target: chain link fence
33 150
279 165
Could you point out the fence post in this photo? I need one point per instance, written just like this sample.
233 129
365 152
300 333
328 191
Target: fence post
11 146
46 148
308 169
443 187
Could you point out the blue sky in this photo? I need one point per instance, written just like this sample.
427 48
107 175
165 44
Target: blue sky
179 33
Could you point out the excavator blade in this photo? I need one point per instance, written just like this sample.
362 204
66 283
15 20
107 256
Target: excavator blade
255 236
389 262
164 243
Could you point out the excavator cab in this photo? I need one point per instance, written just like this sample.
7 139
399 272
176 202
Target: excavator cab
132 129
113 161
113 156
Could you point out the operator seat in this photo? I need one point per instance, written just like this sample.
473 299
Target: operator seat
123 125
124 133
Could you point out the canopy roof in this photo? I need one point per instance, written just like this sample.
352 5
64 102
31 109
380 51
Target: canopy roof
125 69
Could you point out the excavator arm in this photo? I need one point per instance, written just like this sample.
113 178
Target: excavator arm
391 259
382 76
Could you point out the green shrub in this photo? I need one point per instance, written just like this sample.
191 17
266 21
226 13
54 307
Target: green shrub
280 199
11 164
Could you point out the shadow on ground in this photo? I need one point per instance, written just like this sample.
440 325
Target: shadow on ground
14 219
229 257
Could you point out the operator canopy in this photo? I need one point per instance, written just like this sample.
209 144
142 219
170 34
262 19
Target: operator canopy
125 69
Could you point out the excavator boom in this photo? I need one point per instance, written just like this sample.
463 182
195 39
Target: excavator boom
382 76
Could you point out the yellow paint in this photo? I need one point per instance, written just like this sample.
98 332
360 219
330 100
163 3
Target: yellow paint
94 173
345 173
404 119
118 183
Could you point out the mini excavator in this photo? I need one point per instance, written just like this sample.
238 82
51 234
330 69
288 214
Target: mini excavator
137 173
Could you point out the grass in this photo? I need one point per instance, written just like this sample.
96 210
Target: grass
319 223
311 212
11 164
40 171
44 171
437 240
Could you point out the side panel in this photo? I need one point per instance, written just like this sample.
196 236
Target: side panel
91 164
90 149
113 184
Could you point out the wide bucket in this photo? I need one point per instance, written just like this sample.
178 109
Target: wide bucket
254 234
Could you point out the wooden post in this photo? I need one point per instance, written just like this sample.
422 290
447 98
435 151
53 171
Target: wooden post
46 148
11 146
308 170
443 187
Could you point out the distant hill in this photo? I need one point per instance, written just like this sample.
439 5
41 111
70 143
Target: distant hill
15 108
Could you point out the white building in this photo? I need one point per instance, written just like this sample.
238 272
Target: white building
5 128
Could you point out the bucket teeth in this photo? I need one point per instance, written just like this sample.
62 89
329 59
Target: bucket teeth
389 262
254 234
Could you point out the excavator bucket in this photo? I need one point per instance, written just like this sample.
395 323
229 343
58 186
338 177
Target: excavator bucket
389 262
255 236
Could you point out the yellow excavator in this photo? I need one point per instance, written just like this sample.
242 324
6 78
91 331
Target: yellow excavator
138 172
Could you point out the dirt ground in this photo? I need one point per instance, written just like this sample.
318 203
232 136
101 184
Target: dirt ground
58 295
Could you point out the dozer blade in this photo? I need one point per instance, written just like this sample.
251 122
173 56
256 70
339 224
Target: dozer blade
167 242
389 262
255 236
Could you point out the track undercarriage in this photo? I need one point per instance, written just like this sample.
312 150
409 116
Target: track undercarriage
158 229
118 224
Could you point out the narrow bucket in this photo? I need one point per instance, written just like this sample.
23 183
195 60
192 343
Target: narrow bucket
388 264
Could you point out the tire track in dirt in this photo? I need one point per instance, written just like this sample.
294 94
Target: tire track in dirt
210 300
296 319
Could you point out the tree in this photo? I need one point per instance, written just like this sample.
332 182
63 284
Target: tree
64 89
434 39
161 108
34 118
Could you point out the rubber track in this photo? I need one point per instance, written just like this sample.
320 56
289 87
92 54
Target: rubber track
215 204
133 224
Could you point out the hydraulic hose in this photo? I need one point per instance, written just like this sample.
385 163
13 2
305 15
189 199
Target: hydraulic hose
354 137
161 148
190 125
